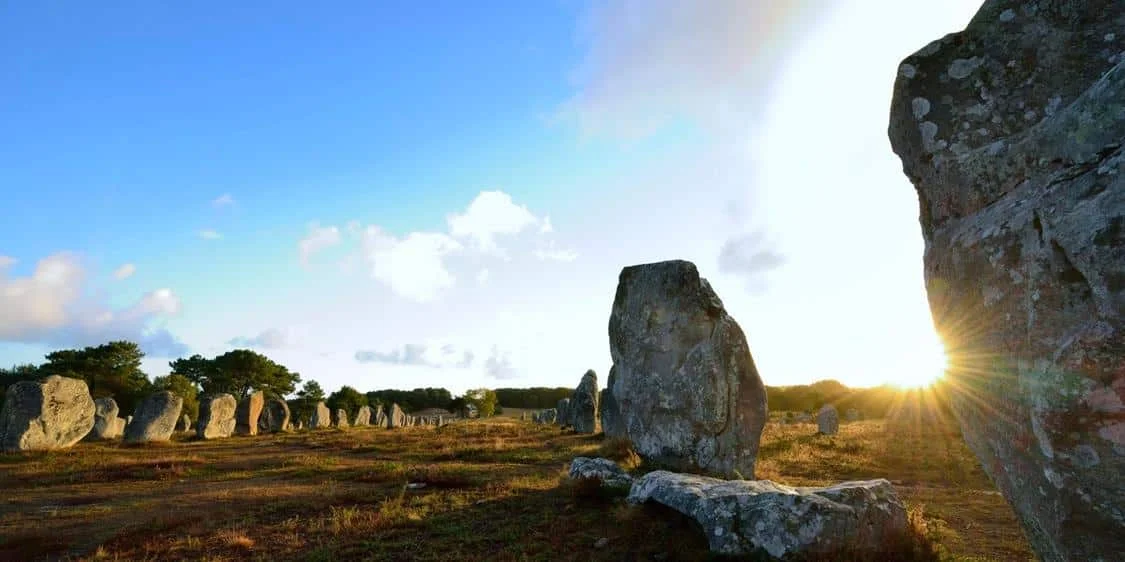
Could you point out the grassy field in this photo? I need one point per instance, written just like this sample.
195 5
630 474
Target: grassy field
495 490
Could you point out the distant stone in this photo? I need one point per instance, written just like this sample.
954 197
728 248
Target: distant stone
363 416
275 416
689 394
155 418
748 517
321 417
299 425
105 420
395 417
53 413
828 420
548 416
852 414
184 424
563 418
1024 262
216 416
248 412
119 428
609 412
341 418
608 472
802 417
583 406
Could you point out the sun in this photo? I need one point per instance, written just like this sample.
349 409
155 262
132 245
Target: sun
929 365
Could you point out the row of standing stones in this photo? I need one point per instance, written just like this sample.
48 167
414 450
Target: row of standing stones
58 412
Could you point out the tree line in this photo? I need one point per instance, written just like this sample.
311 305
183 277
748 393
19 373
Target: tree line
114 370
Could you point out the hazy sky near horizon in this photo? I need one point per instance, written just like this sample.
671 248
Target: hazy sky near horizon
408 194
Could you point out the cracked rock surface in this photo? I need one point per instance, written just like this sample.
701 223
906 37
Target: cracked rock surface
1011 132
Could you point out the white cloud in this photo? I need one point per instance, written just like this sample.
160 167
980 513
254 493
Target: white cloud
555 254
748 255
271 338
7 261
53 306
124 272
420 355
223 200
413 266
490 214
319 238
499 365
418 265
209 234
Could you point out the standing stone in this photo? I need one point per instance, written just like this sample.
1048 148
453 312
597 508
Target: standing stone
105 420
119 428
828 420
184 424
321 417
689 394
216 416
536 418
548 416
563 408
249 410
609 412
852 414
155 418
395 417
275 416
523 416
363 416
341 417
1023 216
583 407
53 413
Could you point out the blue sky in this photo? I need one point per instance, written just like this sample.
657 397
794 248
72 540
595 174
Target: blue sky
331 182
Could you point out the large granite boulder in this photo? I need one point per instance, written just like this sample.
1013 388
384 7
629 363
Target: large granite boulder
608 411
379 417
275 416
105 420
608 472
689 394
53 413
363 416
755 517
341 418
563 408
155 418
321 417
1011 132
216 416
583 407
828 420
248 412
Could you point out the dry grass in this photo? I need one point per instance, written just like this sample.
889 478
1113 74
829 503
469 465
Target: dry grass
492 489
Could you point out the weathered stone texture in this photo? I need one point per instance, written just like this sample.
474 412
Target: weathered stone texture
1011 132
216 416
105 420
248 412
685 384
582 408
751 517
155 419
53 413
